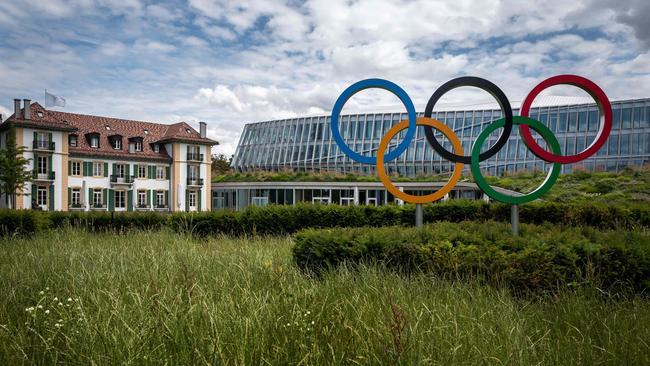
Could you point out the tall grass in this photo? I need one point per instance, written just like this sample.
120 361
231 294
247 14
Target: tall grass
164 298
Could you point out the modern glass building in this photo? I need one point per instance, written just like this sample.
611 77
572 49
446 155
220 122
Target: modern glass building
306 144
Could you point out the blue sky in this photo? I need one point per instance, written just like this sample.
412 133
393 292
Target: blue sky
229 62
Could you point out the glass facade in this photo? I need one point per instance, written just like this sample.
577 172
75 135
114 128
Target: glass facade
306 144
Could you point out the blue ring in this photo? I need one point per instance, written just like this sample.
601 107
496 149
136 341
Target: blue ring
367 84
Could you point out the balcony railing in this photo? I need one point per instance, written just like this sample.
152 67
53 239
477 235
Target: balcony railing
126 179
194 157
75 206
95 206
44 176
43 145
195 181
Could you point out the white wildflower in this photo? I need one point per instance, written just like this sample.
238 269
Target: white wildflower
47 311
58 325
60 303
69 299
56 298
39 306
41 293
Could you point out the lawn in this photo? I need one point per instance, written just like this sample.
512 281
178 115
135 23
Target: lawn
71 297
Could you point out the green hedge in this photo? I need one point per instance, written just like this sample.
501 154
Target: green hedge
544 258
277 220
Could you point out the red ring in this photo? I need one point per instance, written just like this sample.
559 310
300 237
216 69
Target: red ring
605 118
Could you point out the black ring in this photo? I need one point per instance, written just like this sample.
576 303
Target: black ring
480 83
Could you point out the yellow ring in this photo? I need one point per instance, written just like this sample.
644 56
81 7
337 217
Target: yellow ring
458 167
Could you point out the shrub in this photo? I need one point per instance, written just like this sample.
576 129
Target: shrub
544 258
281 220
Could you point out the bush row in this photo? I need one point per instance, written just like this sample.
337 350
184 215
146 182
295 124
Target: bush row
274 220
544 258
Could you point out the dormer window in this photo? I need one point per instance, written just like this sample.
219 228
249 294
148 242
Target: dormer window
115 141
135 144
94 141
39 114
72 140
188 130
108 128
156 148
146 132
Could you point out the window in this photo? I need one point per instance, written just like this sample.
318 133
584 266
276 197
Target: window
120 170
42 165
192 199
138 145
41 196
194 172
75 167
72 140
142 171
161 198
142 198
94 141
120 199
98 199
75 197
160 172
156 148
98 169
116 143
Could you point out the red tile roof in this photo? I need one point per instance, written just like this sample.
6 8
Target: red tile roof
83 125
40 118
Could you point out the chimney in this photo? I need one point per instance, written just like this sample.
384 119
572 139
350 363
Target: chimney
17 109
27 104
202 129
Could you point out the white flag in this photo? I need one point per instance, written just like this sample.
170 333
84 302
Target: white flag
52 100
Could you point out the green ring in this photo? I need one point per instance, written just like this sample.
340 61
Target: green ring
548 136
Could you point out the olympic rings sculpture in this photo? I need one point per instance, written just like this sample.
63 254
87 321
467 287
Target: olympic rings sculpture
523 121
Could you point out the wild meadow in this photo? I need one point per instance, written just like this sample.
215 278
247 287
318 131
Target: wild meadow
159 297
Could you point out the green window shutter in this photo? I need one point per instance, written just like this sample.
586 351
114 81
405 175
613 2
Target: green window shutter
34 193
69 167
35 136
167 200
136 172
149 197
149 174
51 197
90 197
105 193
69 195
111 199
49 137
187 200
129 200
198 202
86 170
188 171
35 163
114 169
49 163
106 169
167 173
128 169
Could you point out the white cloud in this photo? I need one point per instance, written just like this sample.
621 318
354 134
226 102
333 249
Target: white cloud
230 62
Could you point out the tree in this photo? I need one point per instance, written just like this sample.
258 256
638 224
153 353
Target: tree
220 164
13 169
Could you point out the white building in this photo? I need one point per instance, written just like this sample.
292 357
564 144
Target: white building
83 162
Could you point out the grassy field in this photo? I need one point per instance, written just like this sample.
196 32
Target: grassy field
161 298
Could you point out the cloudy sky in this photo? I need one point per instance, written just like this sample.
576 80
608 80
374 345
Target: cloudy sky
232 62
